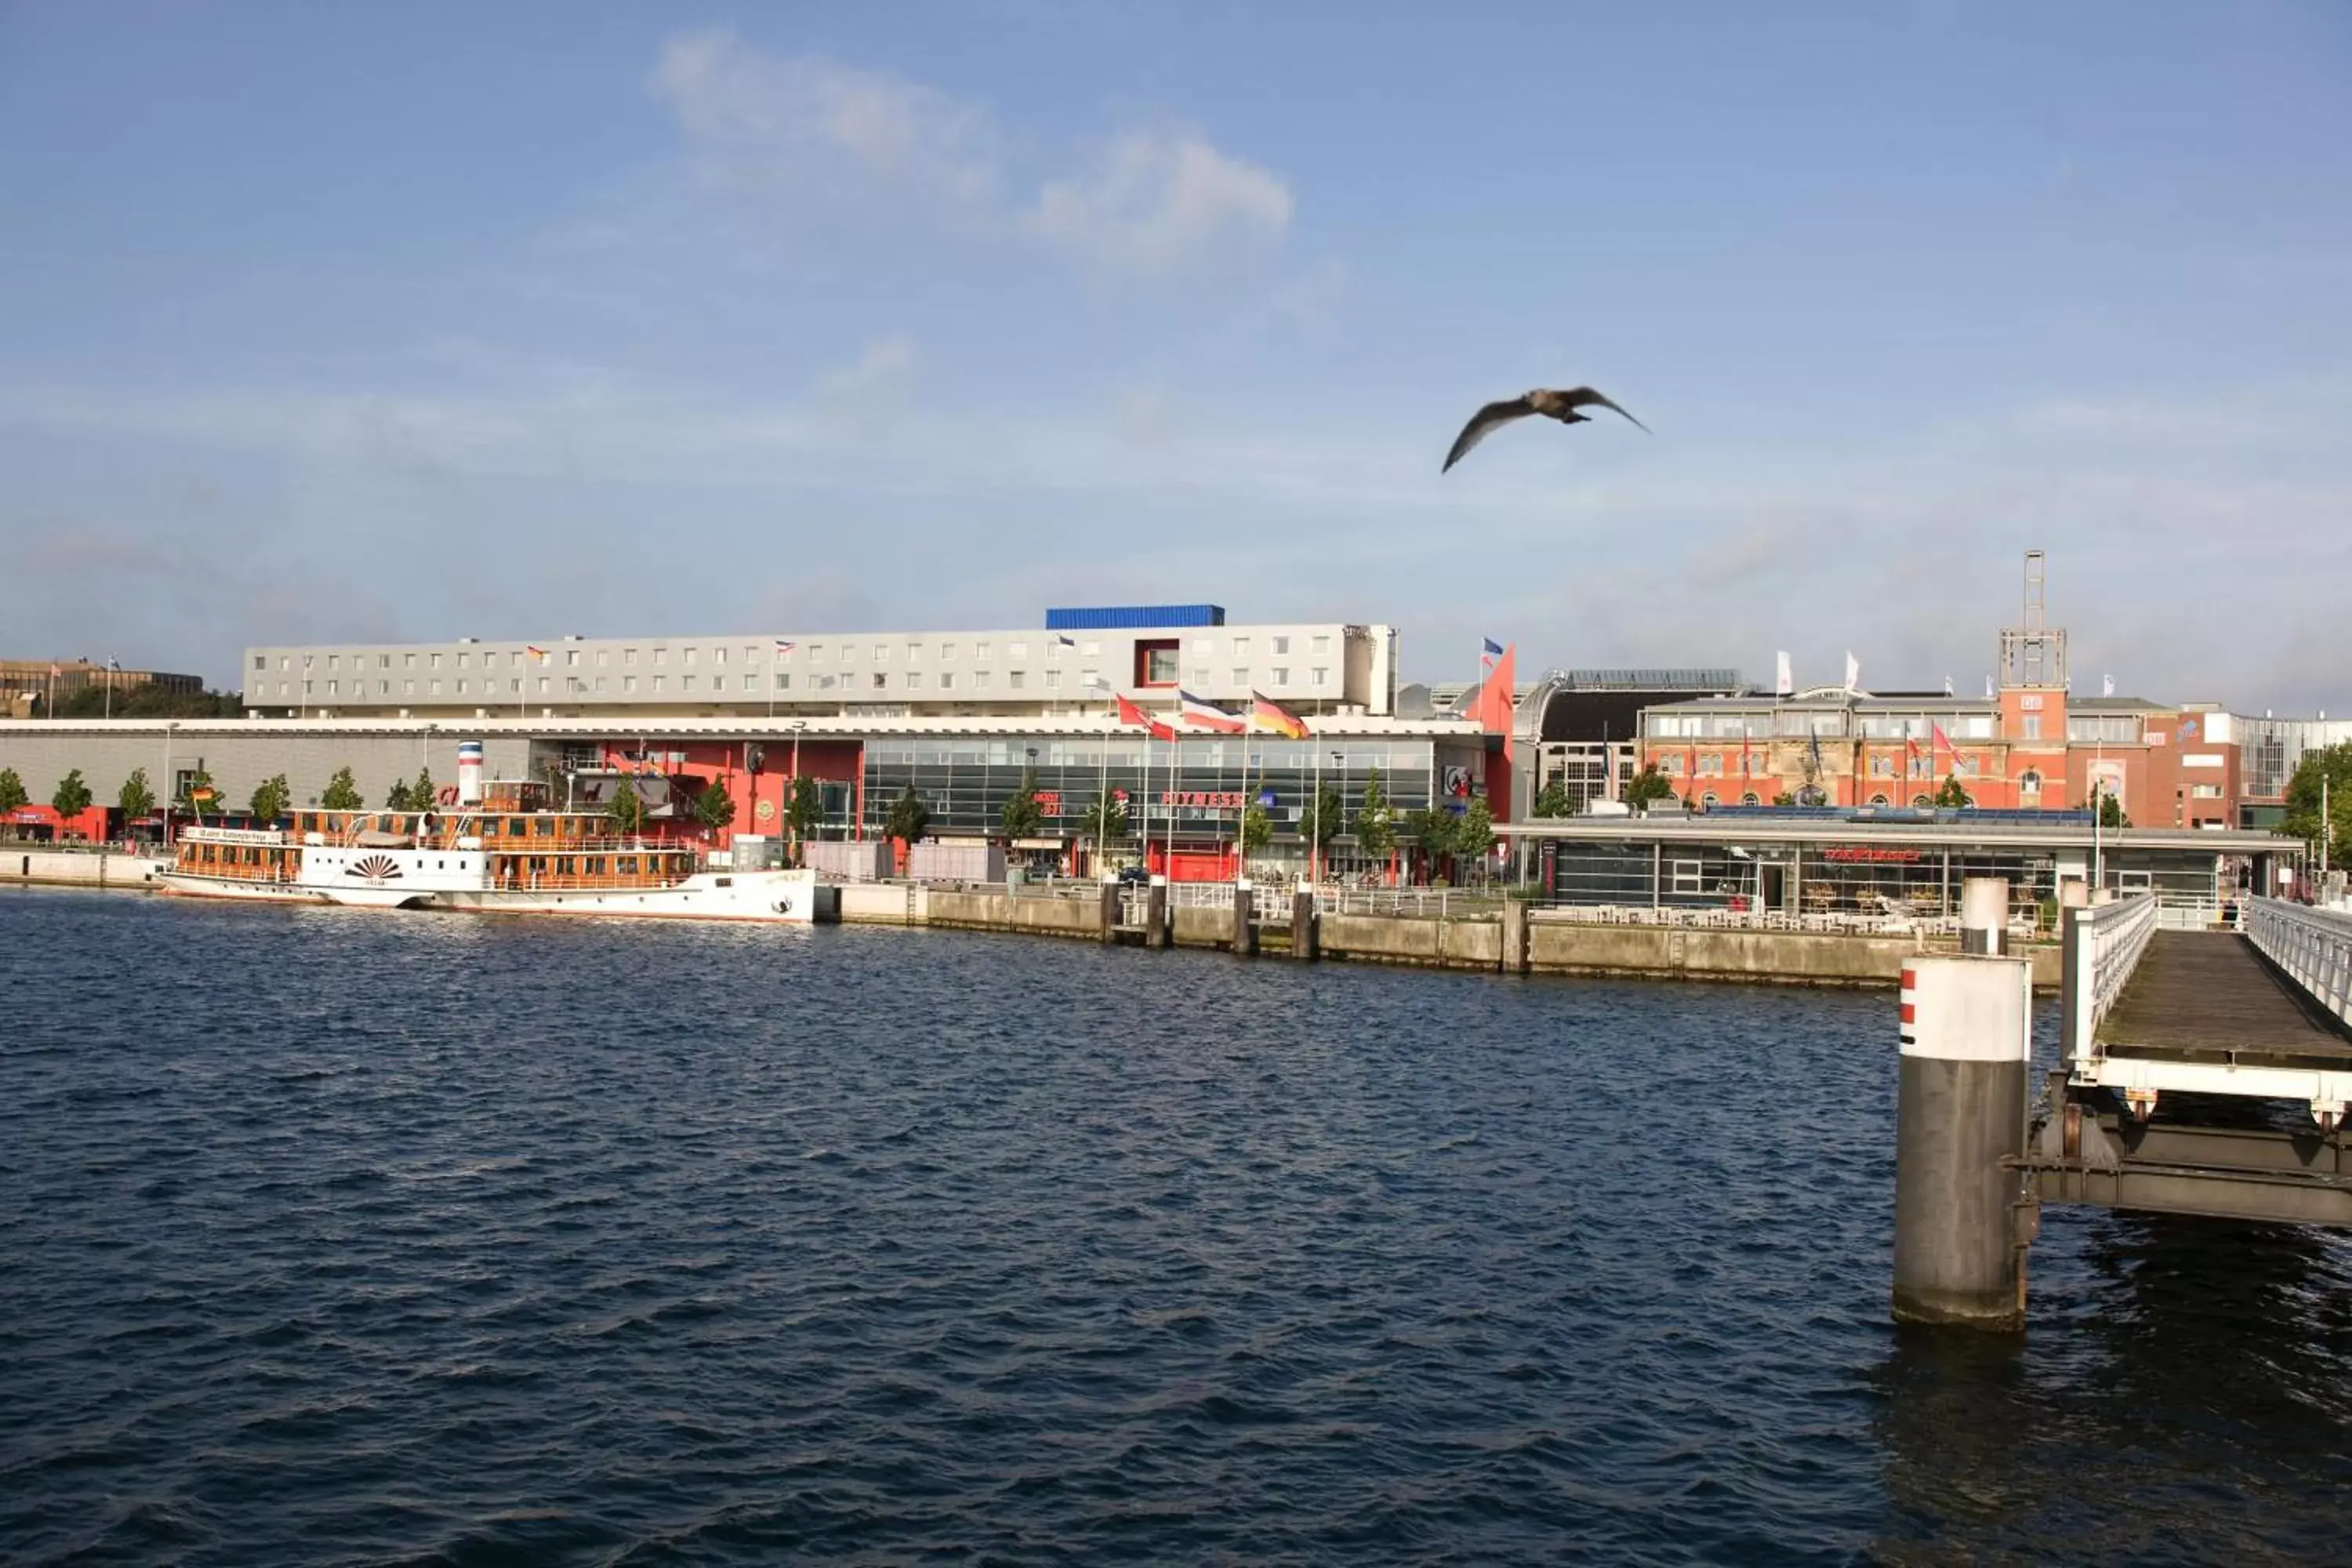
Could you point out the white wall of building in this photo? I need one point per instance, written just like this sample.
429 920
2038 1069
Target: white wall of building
1322 666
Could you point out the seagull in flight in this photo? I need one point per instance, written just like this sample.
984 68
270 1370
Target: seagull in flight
1559 405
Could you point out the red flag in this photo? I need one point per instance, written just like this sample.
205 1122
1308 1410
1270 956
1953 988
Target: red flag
1910 757
1942 740
1747 766
1129 713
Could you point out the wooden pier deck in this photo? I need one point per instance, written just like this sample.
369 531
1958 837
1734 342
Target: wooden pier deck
2209 996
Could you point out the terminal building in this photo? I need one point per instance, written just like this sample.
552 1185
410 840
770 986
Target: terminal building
961 719
1066 667
2028 743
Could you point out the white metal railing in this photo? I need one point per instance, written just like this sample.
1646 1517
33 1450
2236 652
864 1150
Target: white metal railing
2108 942
2177 912
1838 923
2313 947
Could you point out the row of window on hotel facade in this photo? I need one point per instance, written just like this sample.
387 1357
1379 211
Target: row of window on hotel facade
717 684
1319 645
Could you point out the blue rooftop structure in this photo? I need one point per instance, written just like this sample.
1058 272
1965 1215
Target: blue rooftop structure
1127 617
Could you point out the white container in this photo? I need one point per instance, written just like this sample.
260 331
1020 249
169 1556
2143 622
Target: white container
848 860
957 860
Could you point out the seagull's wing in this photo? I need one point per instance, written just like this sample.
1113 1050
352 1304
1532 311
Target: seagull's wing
1585 397
1485 420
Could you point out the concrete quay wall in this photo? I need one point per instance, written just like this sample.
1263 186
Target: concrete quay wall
1798 958
1556 947
77 867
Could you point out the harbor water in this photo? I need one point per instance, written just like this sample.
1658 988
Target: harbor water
341 1236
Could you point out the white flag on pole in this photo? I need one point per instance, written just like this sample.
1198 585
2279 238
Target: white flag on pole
2110 686
1947 686
1853 671
1988 688
1785 682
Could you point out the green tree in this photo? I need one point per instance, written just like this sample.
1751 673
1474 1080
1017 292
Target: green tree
1022 818
2333 765
1553 800
12 790
1322 820
1376 822
199 779
137 798
715 806
421 794
626 809
1435 830
1647 786
1784 798
2111 811
1474 835
1953 794
397 798
340 794
73 795
908 818
1257 828
149 701
1103 821
806 811
270 798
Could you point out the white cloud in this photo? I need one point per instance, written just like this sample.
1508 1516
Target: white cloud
805 117
869 396
1148 203
1157 205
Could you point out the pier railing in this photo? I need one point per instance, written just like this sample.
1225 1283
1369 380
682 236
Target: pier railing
2104 944
2313 947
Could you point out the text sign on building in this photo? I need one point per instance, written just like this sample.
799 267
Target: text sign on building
1213 800
1875 854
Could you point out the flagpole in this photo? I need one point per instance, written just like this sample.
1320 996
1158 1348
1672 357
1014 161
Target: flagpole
1315 860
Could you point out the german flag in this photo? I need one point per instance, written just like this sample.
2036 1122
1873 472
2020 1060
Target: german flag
1268 714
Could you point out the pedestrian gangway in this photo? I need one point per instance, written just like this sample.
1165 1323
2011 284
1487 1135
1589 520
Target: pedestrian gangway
2202 1071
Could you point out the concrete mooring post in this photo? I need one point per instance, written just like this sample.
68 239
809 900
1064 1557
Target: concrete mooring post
1244 918
1159 930
1984 916
1110 911
1515 936
1961 1218
1303 934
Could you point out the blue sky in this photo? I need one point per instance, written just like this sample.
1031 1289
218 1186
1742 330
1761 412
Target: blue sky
418 321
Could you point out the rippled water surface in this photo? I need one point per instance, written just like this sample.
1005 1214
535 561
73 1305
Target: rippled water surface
333 1237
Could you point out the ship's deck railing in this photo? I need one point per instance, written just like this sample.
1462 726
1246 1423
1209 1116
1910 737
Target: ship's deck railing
2103 950
2313 947
227 872
560 882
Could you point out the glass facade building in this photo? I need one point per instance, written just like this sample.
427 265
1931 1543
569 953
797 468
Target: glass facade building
964 781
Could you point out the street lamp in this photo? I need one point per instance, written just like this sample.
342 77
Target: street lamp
1102 780
791 816
169 727
111 666
1339 762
